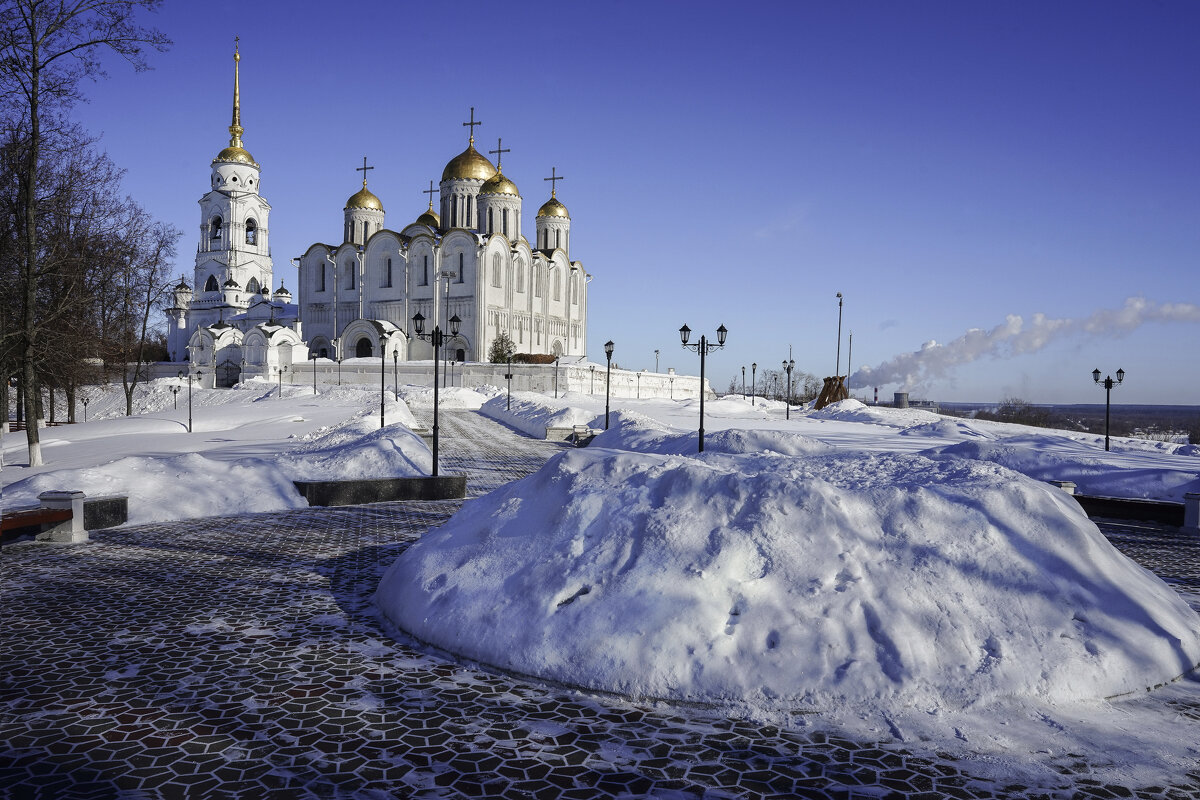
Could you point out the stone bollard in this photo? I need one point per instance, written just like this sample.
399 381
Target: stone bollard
1066 486
1191 512
71 531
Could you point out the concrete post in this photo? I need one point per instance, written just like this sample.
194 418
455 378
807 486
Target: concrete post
71 531
1191 512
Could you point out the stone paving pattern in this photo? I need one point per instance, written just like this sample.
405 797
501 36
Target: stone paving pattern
241 657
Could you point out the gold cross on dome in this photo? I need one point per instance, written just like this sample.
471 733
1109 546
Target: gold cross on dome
499 152
472 124
554 178
363 169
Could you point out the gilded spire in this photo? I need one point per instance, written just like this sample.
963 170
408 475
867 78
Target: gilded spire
235 130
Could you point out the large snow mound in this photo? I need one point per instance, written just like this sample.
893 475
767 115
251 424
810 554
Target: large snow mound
630 430
875 580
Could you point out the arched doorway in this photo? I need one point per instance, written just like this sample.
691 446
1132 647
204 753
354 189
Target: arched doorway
364 348
460 355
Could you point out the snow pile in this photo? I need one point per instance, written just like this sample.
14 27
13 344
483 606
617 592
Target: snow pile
1047 456
855 411
882 580
176 487
449 397
359 448
533 413
629 430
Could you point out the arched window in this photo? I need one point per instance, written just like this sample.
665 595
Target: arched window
425 272
215 227
461 272
364 348
496 269
210 285
453 212
490 227
366 230
321 278
387 277
556 233
251 232
349 275
504 220
252 287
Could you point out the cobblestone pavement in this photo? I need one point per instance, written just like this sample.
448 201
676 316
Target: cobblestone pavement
241 657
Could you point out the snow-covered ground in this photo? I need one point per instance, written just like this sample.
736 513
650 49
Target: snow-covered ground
909 572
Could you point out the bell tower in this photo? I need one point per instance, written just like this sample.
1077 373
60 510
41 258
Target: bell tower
233 256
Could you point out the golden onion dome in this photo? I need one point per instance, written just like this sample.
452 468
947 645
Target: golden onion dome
430 219
235 155
553 208
363 198
498 184
468 165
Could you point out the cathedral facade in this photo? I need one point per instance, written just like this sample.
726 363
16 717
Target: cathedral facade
467 260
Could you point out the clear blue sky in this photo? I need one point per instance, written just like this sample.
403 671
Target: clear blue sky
942 164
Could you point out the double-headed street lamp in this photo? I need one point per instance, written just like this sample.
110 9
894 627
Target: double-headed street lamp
434 338
702 347
787 367
608 350
1108 384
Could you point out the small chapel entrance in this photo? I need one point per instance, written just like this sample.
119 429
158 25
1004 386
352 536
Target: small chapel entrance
364 348
228 374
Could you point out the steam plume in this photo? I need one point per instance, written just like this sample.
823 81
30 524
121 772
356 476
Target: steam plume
1015 337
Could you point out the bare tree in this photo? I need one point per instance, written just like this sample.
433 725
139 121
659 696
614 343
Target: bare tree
47 48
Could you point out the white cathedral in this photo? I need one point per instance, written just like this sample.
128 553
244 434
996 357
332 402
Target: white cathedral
467 260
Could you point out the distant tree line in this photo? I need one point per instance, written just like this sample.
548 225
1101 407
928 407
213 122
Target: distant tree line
1141 422
773 384
82 267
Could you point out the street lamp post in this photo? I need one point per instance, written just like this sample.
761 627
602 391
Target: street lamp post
382 378
175 396
396 374
788 366
189 399
556 377
639 386
85 402
314 369
837 370
592 383
743 382
508 377
656 361
435 340
672 380
753 381
608 351
702 347
1108 384
282 369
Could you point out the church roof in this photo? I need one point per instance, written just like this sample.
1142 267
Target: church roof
363 198
498 184
430 218
468 165
553 208
235 153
